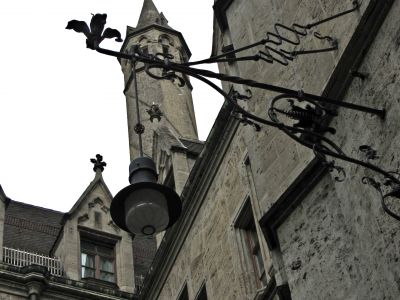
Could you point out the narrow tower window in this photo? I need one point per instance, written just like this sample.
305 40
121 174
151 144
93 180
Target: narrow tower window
250 241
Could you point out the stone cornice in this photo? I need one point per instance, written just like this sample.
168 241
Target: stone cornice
43 281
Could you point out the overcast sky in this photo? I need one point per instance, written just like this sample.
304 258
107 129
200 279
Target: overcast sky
61 103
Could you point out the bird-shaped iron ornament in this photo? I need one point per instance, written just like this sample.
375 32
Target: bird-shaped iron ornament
95 34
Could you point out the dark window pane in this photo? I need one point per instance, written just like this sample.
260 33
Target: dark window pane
97 260
107 276
145 50
165 49
88 273
203 294
106 265
184 294
245 222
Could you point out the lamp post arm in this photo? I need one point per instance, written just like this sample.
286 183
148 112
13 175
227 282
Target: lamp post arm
274 88
202 75
154 62
319 149
289 130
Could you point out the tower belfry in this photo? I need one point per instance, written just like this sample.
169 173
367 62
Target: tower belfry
154 36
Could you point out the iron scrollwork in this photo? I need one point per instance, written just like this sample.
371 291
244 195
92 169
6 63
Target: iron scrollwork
302 116
389 191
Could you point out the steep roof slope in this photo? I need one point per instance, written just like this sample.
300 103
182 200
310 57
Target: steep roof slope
31 228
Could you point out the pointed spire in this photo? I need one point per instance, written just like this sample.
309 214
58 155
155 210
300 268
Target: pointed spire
150 15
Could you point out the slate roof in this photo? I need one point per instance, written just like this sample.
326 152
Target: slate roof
31 228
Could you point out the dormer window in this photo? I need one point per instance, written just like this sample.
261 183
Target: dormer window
97 261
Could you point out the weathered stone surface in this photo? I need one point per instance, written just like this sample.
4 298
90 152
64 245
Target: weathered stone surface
95 200
175 102
347 246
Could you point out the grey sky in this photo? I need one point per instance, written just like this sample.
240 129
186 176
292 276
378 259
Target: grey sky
61 103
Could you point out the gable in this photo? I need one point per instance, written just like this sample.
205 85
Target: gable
92 208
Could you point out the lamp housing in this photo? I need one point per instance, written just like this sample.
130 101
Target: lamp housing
145 207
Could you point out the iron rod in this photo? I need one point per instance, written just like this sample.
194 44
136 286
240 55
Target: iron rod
224 77
137 107
356 6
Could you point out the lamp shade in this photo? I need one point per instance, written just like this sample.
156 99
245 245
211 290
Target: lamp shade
145 207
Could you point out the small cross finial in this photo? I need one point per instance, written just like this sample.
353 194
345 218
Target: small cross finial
98 163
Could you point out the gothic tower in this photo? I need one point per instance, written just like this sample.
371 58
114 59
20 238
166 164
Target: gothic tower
153 35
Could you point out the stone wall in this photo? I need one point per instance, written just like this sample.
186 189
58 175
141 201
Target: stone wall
68 249
209 253
181 122
337 243
345 246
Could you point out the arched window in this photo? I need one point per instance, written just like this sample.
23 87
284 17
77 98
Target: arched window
143 40
165 40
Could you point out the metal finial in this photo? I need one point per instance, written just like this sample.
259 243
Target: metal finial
94 34
98 163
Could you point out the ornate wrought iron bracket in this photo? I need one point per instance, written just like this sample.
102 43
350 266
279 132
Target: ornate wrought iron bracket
302 116
389 191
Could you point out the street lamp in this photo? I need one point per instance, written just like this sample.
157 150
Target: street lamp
146 207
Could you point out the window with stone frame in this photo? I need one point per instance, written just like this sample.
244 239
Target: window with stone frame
165 49
251 243
97 260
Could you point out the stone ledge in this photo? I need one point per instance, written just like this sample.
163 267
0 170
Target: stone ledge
49 284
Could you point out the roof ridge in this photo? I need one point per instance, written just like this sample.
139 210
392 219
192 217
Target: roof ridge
37 206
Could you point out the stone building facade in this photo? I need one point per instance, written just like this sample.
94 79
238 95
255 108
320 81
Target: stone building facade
80 254
263 218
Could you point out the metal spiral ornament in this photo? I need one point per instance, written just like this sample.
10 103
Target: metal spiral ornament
311 113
